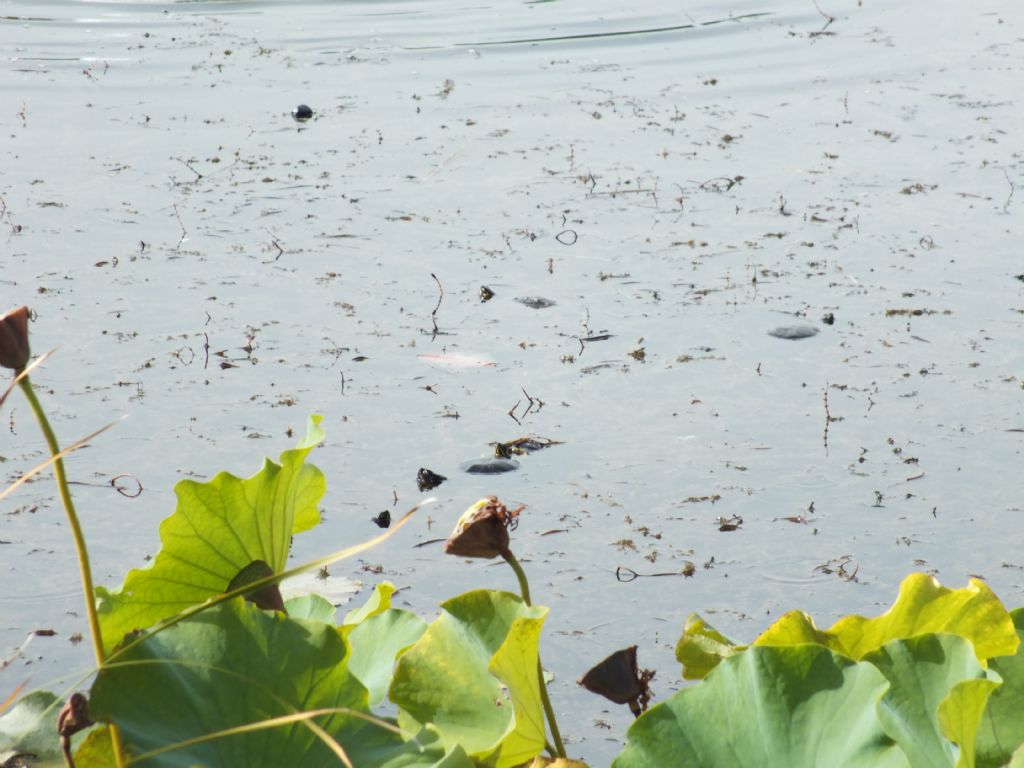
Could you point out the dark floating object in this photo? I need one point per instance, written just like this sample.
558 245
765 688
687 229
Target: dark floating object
302 113
793 332
522 446
726 524
490 466
486 294
828 318
383 520
427 480
535 302
268 597
619 679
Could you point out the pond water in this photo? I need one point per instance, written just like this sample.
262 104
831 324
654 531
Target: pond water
675 180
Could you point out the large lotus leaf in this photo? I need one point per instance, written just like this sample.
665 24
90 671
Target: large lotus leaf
378 634
922 671
960 715
796 706
96 751
376 643
233 665
702 647
218 528
311 607
797 628
923 606
1002 727
378 602
31 726
474 675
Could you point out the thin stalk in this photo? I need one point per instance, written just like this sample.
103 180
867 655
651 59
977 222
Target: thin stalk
76 529
85 570
524 585
549 711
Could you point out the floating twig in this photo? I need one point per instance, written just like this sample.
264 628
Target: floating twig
188 165
184 232
828 19
626 575
440 296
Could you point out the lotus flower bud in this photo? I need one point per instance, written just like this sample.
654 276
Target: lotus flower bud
482 531
14 349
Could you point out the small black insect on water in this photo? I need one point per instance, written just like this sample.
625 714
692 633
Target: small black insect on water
427 480
383 520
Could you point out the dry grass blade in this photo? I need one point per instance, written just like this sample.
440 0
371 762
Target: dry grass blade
6 703
28 369
40 467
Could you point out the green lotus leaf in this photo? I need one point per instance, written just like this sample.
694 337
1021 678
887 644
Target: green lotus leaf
379 634
922 672
474 675
218 528
234 665
376 643
96 751
797 628
311 607
31 726
960 715
1002 728
800 706
923 606
376 603
702 647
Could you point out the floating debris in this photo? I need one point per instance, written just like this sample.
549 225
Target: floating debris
522 446
914 312
302 113
729 523
793 332
486 294
490 466
383 520
535 302
427 480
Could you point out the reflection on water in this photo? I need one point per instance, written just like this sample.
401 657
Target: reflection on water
217 271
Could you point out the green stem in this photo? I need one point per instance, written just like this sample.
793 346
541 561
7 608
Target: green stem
76 529
524 589
85 570
524 585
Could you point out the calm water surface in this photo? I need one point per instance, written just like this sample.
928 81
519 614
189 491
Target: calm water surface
681 177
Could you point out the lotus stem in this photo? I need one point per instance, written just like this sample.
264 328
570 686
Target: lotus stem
69 508
85 570
524 585
549 711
